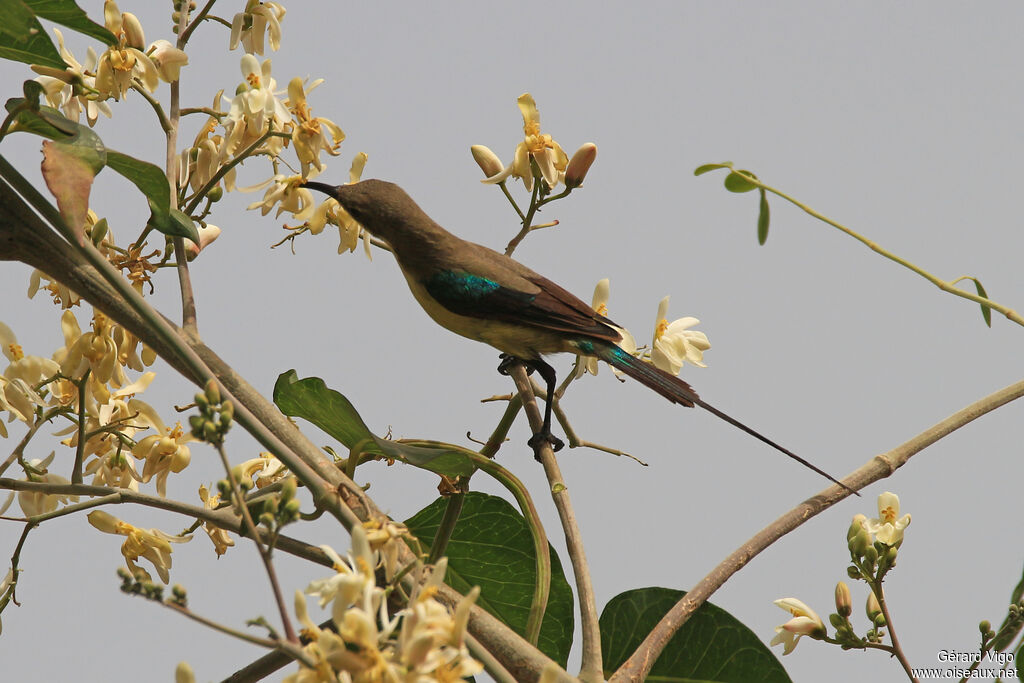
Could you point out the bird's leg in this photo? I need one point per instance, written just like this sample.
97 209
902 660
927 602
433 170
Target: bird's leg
547 373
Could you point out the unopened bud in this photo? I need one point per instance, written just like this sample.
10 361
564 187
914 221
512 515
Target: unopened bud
872 608
487 160
858 538
98 231
580 163
227 413
985 627
133 31
291 509
844 604
212 391
288 487
207 234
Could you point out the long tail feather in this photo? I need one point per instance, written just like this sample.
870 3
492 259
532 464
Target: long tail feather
678 391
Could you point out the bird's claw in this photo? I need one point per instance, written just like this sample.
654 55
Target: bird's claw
507 361
545 437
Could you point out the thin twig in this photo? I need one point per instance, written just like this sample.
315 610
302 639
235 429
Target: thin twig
264 551
897 651
591 667
76 470
873 246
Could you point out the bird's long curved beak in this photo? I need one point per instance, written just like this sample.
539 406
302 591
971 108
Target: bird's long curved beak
322 187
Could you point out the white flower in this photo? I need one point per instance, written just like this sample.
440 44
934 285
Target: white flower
674 343
255 109
249 26
536 146
888 526
627 343
804 623
60 92
167 59
124 62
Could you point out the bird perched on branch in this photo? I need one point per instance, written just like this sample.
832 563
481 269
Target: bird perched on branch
484 295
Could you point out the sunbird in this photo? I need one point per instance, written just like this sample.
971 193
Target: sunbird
484 295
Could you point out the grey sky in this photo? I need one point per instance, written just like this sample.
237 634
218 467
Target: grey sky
899 120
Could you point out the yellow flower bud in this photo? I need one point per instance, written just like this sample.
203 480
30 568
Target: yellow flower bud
487 160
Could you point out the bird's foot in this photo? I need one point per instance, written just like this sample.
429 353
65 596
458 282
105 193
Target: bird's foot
545 437
507 361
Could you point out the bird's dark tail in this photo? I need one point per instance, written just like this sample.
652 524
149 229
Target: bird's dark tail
678 391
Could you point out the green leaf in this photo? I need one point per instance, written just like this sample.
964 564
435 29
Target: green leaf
986 312
491 547
763 218
50 123
329 410
148 178
712 646
67 13
738 182
173 223
701 170
22 37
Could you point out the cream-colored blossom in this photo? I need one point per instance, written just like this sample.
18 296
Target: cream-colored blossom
60 293
255 109
287 194
164 452
124 62
151 544
114 468
249 25
18 393
675 344
330 211
422 642
263 470
599 303
888 526
311 134
804 623
59 86
537 147
384 537
167 59
96 350
219 536
37 502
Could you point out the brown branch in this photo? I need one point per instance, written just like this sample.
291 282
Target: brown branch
881 466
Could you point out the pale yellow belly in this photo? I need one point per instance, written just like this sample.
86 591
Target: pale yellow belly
520 341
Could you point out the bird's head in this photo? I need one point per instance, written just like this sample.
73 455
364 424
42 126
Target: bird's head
383 208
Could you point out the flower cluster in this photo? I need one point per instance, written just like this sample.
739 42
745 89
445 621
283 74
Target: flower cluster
423 642
873 545
538 156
